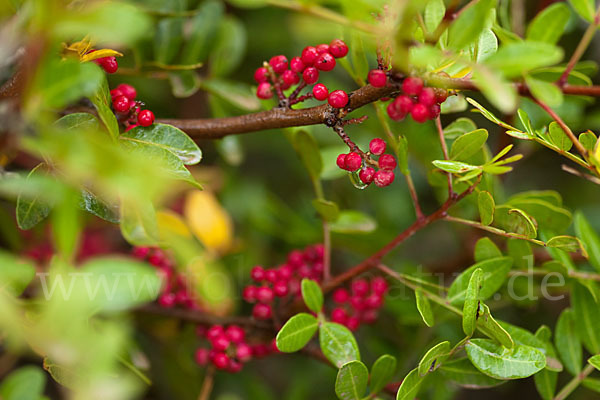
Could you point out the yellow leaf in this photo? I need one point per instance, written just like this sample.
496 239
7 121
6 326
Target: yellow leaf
99 54
170 223
208 221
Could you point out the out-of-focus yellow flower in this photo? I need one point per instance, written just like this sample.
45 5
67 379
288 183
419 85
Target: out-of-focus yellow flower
81 49
208 221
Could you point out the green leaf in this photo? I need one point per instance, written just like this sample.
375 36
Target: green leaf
463 373
433 14
76 121
569 244
588 140
549 24
488 115
338 344
230 47
92 204
382 372
545 380
61 374
168 39
486 205
402 155
102 101
590 239
410 386
487 44
514 59
359 59
486 249
592 384
351 381
312 295
455 167
559 137
296 332
515 220
495 271
471 306
15 273
587 317
328 210
491 328
496 88
31 210
25 383
351 221
468 144
166 137
424 308
308 150
585 8
547 92
469 25
547 215
184 83
204 27
433 358
459 127
595 361
236 93
502 363
138 223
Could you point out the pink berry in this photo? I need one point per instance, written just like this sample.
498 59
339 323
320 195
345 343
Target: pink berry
322 48
262 311
261 75
278 63
220 361
257 273
167 300
121 104
360 287
320 92
297 65
310 75
387 161
377 146
394 113
353 323
234 366
128 91
338 48
220 343
319 251
353 162
420 113
367 175
404 104
339 316
243 352
377 78
271 275
338 99
235 334
383 178
264 294
357 303
434 111
280 289
341 296
249 294
295 258
145 118
141 252
290 77
325 62
341 161
264 91
214 332
201 356
373 301
285 273
427 97
412 86
379 285
309 55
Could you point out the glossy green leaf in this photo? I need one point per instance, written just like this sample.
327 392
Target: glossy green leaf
184 83
549 24
359 59
585 8
296 332
328 210
486 249
495 271
308 150
592 384
559 137
168 39
382 372
502 363
424 308
587 317
569 244
486 205
433 14
514 59
312 295
454 167
31 210
468 144
92 204
471 306
433 358
495 87
351 381
230 47
138 223
595 361
548 216
459 127
590 239
15 273
351 221
522 336
463 373
25 383
203 30
102 101
546 380
410 386
338 344
588 140
489 115
76 121
491 328
547 92
467 27
515 220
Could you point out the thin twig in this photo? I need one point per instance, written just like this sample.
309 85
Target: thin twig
491 229
326 252
207 384
574 383
564 127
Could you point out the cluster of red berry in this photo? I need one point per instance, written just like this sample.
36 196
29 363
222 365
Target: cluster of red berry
108 64
422 103
175 290
360 304
283 280
353 161
308 64
124 103
228 348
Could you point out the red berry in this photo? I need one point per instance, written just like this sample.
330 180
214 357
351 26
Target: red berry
249 294
285 273
214 332
167 300
297 65
322 48
353 323
387 161
295 258
427 97
257 273
263 91
220 343
320 92
140 252
377 146
182 297
440 95
373 301
309 55
273 346
369 316
310 75
261 75
412 86
234 366
338 48
278 63
325 62
339 316
367 175
235 334
121 104
264 294
394 113
434 111
353 162
109 64
201 356
360 287
260 350
341 161
262 311
319 251
220 361
379 285
383 178
420 113
280 288
341 296
130 127
290 77
377 78
128 91
338 99
115 93
305 271
357 303
271 275
145 118
243 352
